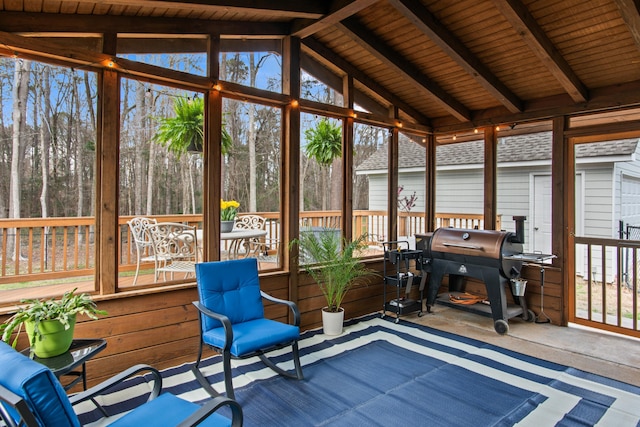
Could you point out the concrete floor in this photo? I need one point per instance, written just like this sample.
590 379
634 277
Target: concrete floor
610 355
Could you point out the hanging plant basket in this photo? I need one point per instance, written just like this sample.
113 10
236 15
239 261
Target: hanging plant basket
194 147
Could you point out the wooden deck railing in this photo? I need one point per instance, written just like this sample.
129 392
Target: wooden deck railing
59 248
607 284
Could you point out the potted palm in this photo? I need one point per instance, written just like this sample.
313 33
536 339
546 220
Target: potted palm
49 323
332 262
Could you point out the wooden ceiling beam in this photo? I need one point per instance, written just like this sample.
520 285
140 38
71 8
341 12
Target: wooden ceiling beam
335 82
421 18
311 9
387 55
532 34
338 10
324 52
34 23
630 11
191 45
614 97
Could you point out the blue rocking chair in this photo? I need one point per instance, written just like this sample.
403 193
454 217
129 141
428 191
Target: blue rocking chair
31 396
232 319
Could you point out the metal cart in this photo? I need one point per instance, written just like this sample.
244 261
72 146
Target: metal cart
398 254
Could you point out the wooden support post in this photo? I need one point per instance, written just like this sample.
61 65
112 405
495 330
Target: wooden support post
490 177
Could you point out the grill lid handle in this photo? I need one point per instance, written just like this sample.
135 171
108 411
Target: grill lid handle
460 245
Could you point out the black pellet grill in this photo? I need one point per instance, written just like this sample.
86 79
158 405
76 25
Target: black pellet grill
495 257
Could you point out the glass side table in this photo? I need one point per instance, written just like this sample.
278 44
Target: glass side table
80 351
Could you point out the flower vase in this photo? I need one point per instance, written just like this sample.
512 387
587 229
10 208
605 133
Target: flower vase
227 226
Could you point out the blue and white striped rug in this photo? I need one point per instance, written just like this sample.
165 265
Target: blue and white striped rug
378 373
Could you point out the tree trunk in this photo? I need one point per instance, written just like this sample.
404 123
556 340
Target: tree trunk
45 140
336 184
140 141
79 149
253 71
20 93
94 157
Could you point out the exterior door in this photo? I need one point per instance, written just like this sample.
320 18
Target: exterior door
541 209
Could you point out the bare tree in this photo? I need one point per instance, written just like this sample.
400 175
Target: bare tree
45 138
79 152
20 92
141 140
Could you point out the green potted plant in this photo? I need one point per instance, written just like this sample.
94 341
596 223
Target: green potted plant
49 323
332 262
228 212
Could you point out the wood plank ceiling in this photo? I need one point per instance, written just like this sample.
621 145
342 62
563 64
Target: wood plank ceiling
452 65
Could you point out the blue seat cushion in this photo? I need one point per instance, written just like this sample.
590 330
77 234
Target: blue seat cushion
37 386
167 410
253 335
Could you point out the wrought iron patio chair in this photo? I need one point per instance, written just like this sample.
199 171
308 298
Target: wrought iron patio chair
249 247
145 251
30 395
259 247
232 319
177 245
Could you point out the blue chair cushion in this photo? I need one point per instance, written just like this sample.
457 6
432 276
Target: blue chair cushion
253 335
167 410
231 288
37 386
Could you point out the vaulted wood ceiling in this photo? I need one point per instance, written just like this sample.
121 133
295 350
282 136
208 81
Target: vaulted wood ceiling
448 64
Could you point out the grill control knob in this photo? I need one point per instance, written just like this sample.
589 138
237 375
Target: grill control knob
465 236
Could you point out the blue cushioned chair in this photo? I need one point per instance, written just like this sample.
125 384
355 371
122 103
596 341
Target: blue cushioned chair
30 395
232 319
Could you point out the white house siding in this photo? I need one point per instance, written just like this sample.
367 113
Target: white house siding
598 201
378 192
513 189
627 194
460 191
412 181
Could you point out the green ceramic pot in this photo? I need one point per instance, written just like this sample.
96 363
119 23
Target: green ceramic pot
55 339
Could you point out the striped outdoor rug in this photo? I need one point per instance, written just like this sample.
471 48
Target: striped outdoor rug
379 373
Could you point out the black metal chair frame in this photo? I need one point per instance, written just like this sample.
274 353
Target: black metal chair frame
29 420
226 351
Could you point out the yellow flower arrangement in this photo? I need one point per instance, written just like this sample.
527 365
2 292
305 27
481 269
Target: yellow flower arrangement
228 209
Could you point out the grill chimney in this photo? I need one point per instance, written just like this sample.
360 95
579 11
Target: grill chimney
519 237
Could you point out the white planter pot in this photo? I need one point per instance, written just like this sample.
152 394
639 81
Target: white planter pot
332 322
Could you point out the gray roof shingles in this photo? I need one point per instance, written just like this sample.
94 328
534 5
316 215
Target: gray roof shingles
518 148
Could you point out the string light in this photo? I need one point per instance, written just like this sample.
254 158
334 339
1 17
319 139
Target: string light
294 103
455 137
